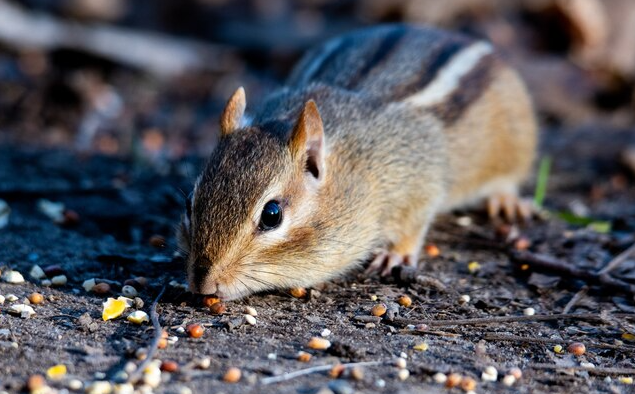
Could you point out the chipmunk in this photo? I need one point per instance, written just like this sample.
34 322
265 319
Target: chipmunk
374 134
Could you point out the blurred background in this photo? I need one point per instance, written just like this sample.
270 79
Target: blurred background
148 78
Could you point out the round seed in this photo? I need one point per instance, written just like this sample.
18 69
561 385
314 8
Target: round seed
36 298
304 357
378 310
298 292
218 308
208 301
404 301
195 330
318 343
232 375
577 348
169 366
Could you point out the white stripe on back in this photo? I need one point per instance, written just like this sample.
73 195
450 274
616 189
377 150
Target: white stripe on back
448 78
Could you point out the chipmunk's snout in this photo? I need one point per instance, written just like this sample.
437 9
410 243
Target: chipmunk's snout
200 281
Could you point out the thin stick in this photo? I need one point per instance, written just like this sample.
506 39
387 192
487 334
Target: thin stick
591 370
619 259
319 368
575 299
511 319
514 338
154 345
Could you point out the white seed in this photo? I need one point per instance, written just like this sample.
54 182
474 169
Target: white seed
251 311
439 378
250 320
464 299
204 363
46 282
490 374
12 297
130 367
138 317
509 380
185 390
1 299
59 280
129 291
129 301
381 383
587 365
52 210
25 311
401 363
99 387
124 388
529 311
89 284
403 355
75 384
37 272
13 277
173 339
403 374
152 378
272 356
325 333
180 330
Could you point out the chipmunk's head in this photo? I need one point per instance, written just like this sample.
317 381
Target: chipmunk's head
247 224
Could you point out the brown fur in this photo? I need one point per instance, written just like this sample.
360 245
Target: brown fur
387 167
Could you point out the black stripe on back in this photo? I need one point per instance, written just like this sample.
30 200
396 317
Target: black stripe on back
328 60
439 59
387 45
471 87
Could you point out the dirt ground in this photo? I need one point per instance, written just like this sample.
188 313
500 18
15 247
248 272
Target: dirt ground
127 189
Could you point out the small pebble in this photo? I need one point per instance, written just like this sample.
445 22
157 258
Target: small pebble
439 378
53 270
529 311
12 297
325 333
13 277
403 374
340 386
250 320
46 282
318 343
251 311
129 291
588 365
37 272
59 280
232 375
24 311
89 284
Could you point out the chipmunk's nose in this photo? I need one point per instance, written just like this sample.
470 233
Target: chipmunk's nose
201 282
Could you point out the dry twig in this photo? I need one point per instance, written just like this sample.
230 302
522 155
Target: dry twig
511 319
316 369
575 299
515 338
619 259
591 370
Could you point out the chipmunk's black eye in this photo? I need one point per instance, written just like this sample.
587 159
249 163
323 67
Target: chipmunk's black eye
271 216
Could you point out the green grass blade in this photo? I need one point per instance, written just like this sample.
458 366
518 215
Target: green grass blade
541 183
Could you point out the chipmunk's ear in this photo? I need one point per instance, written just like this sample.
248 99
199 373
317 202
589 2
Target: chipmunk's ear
233 112
307 140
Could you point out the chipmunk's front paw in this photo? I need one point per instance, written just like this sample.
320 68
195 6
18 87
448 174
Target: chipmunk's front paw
511 207
385 261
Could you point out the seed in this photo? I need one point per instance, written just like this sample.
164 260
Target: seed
71 218
432 250
113 308
75 384
373 298
627 336
24 311
36 298
298 292
123 388
403 374
464 299
357 373
577 348
558 349
473 267
529 311
56 372
138 317
169 366
587 365
141 353
509 380
1 299
304 357
250 320
516 372
13 277
208 301
468 384
401 363
195 330
318 343
337 371
157 241
325 333
59 280
163 343
251 311
35 382
626 380
454 379
232 375
522 243
37 272
404 301
378 310
203 363
490 374
53 270
218 308
422 347
89 284
99 387
439 378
